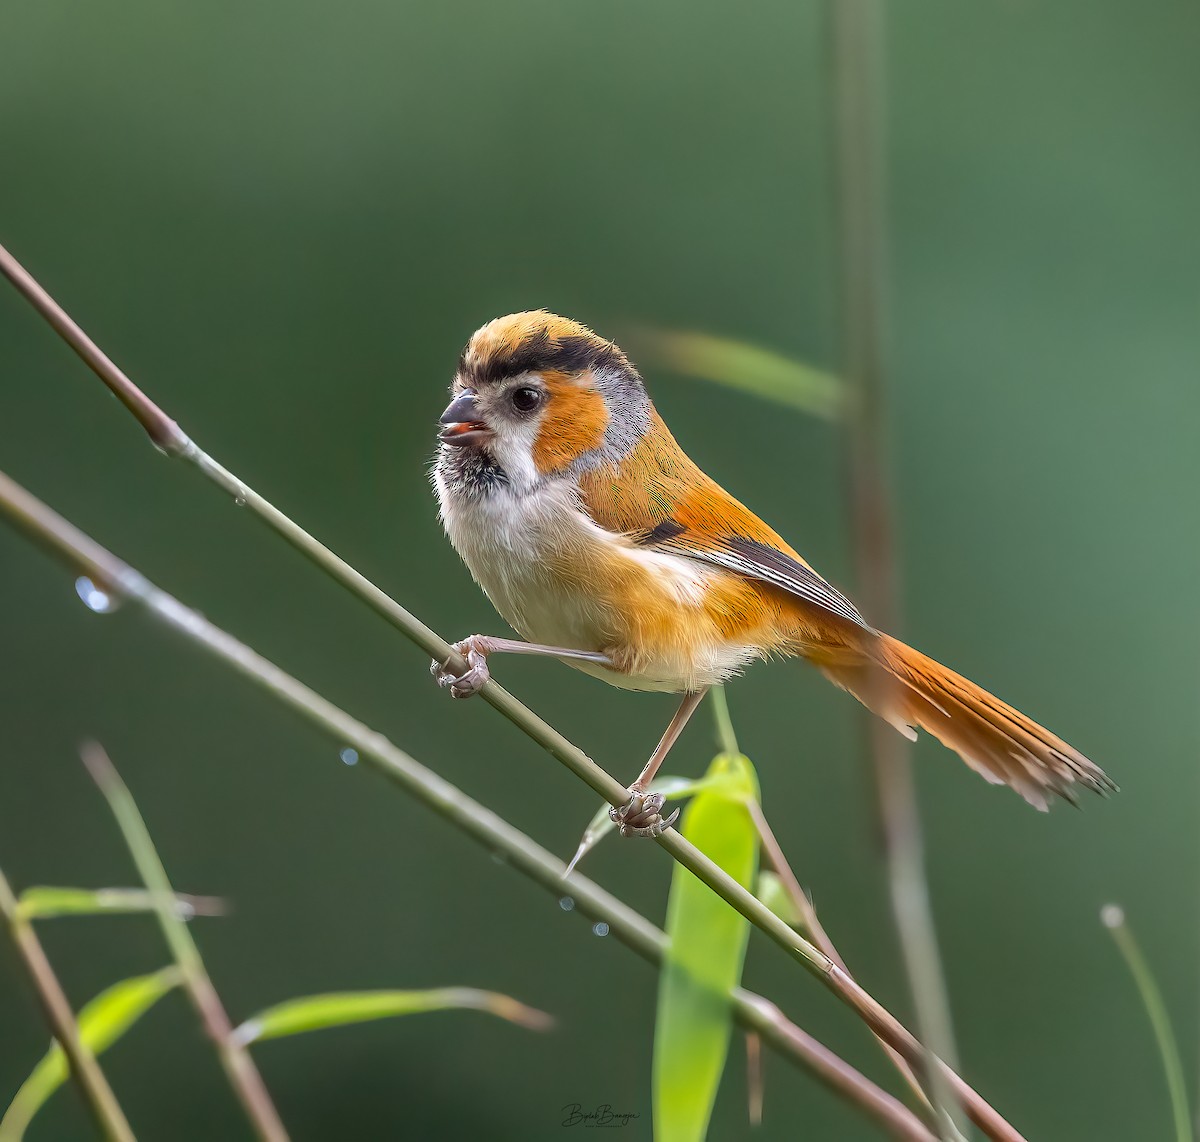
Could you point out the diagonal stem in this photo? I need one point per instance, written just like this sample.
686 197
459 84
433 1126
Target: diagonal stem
68 543
97 1094
493 832
812 925
239 1068
167 435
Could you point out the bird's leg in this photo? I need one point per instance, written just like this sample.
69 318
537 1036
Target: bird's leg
641 817
476 650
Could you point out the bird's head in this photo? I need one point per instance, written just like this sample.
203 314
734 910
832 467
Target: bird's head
536 394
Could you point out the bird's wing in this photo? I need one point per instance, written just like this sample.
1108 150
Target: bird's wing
662 501
758 560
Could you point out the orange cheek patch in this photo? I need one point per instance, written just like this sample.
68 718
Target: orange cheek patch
574 423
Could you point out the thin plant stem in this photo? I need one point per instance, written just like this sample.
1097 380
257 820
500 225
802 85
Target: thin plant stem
816 931
857 41
754 1078
1113 918
82 553
724 723
167 436
98 1096
239 1068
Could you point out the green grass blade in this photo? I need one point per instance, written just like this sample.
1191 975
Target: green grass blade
1113 917
705 955
101 1023
340 1008
726 738
747 368
43 902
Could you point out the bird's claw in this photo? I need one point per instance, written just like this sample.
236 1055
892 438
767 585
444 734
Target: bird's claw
641 816
469 683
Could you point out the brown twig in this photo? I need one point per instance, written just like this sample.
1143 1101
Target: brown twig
239 1068
82 553
498 836
816 932
97 1094
856 55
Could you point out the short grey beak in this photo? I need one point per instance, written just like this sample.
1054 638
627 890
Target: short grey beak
464 427
462 410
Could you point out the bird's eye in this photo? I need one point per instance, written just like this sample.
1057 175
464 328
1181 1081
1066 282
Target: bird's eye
526 399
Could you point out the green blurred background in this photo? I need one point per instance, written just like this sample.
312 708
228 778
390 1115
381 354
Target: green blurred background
285 219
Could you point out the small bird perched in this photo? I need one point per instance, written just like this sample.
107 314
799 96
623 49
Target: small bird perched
604 545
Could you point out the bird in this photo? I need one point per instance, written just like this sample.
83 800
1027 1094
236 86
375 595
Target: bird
604 545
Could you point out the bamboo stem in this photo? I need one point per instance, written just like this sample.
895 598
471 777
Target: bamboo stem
167 435
81 552
497 835
816 930
97 1094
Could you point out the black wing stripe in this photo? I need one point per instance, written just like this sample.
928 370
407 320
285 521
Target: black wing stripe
660 533
758 561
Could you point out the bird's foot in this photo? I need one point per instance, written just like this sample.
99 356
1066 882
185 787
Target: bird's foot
641 816
475 650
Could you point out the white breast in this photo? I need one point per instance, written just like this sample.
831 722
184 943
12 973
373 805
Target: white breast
512 544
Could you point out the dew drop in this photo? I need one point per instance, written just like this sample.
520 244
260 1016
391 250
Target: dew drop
349 756
566 904
600 928
94 598
1112 916
185 910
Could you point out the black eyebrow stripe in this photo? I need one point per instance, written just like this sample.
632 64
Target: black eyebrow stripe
573 353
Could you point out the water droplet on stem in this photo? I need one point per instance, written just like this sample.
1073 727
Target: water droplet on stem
95 598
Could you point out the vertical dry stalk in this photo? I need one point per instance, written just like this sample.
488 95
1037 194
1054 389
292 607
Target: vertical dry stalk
97 1094
857 28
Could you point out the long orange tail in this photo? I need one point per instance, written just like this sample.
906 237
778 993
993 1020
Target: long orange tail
998 742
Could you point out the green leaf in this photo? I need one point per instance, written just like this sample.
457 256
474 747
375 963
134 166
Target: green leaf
339 1008
704 957
602 824
748 368
773 894
101 1023
43 903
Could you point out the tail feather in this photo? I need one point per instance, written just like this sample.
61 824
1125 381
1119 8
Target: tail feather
994 739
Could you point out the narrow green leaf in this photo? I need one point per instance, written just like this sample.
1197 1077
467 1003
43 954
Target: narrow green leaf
748 368
705 955
101 1023
339 1008
44 903
602 824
